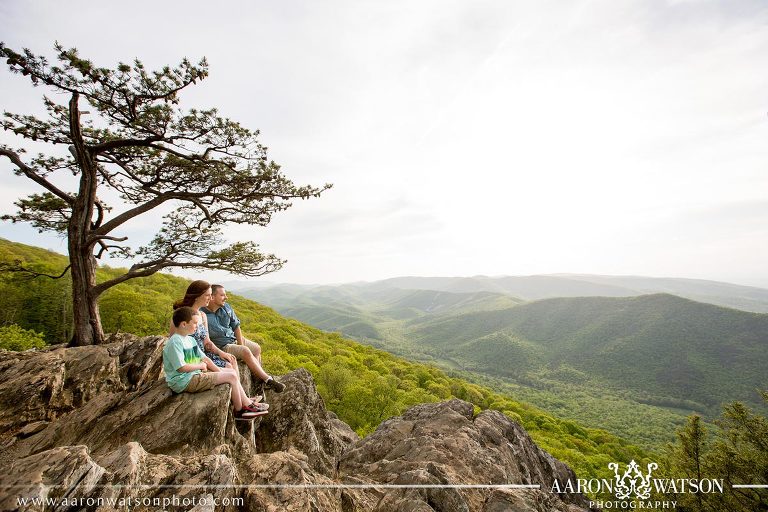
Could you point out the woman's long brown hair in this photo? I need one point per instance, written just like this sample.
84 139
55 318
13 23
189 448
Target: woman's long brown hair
194 290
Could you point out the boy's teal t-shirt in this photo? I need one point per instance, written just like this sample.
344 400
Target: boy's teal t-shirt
178 351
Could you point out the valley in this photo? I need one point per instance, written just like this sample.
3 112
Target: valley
636 365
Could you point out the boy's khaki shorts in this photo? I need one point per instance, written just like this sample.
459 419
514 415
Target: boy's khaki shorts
201 382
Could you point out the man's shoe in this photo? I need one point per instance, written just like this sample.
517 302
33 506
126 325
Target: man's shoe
274 385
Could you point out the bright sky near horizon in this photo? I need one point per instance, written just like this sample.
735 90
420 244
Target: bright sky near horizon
463 138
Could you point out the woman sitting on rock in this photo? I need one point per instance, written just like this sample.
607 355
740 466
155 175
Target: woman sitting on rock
198 295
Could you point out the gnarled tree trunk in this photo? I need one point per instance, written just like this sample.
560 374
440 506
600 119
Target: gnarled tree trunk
85 308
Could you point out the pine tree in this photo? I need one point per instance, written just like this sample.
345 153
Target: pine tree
737 454
136 143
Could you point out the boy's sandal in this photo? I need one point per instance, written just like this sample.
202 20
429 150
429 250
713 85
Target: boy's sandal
254 407
256 399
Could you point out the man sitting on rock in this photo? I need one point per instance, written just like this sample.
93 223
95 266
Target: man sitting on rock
224 331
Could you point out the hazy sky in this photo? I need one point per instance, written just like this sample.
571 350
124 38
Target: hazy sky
463 138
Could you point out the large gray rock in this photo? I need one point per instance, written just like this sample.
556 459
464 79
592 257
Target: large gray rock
271 470
100 422
44 385
443 444
128 475
160 420
298 419
132 472
63 472
121 397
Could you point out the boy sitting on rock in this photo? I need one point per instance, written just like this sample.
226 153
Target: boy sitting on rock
187 369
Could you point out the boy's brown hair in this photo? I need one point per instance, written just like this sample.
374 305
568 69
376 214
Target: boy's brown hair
183 314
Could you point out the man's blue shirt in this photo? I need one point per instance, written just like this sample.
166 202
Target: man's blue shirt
222 324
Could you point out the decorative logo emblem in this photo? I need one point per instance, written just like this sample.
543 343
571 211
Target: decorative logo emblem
633 482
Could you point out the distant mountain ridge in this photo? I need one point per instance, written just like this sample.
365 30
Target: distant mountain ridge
544 286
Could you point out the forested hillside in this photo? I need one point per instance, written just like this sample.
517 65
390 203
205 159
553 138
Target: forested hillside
599 360
691 354
361 384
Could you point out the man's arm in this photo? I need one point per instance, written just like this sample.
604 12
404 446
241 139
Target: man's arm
239 336
234 324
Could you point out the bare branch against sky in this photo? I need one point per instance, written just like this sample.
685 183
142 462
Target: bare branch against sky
611 137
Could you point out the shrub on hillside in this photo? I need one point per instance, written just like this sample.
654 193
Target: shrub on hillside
13 337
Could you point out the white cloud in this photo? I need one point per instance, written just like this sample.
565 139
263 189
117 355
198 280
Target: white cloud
492 137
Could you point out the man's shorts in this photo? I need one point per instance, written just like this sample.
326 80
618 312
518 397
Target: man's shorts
201 382
239 350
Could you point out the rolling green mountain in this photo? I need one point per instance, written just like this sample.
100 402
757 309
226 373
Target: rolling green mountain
362 311
746 298
600 360
660 347
362 385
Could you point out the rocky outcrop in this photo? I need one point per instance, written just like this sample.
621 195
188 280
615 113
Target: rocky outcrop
62 472
129 473
37 386
298 420
445 443
99 422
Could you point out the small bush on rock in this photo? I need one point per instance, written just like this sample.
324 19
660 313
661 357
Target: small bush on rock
13 337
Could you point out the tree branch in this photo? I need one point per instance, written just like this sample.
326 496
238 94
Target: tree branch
133 212
112 238
16 267
132 274
102 287
30 173
124 143
106 248
99 215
